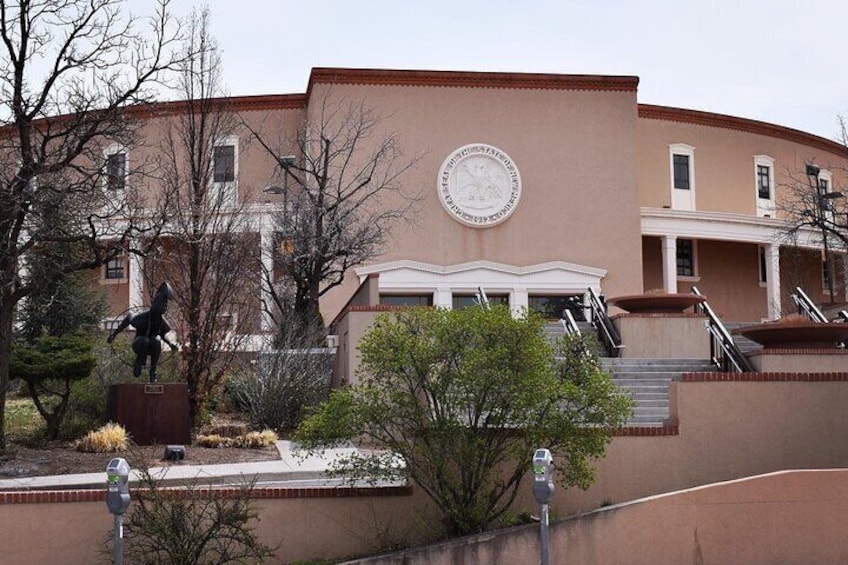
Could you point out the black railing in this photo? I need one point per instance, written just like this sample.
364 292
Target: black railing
723 351
568 323
606 331
806 307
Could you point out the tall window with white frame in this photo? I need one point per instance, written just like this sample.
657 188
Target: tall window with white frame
764 185
682 170
224 172
115 172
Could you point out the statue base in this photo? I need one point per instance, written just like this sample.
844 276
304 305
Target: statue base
153 414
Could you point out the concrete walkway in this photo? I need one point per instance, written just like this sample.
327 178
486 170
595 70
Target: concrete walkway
292 466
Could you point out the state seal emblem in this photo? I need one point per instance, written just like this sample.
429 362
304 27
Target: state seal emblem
479 185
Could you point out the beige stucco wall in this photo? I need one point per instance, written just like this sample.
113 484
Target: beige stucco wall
727 430
576 154
305 529
787 517
664 336
794 360
724 164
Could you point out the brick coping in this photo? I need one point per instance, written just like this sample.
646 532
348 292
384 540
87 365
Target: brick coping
258 493
658 315
762 377
799 351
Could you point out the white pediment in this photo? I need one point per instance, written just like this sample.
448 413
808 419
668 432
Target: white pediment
554 276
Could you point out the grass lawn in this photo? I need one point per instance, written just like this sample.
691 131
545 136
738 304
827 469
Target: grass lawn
22 419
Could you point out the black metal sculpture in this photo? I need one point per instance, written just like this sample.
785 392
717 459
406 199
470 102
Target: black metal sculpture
149 326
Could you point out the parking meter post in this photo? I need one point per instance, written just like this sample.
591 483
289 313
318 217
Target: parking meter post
118 500
543 490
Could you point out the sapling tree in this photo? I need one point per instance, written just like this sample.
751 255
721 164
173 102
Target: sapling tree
457 401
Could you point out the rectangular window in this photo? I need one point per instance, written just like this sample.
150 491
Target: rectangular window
224 163
406 299
685 258
825 275
467 300
764 182
116 171
681 172
114 269
552 307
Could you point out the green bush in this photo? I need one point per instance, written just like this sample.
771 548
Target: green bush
49 366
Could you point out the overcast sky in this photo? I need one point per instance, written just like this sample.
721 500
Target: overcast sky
781 61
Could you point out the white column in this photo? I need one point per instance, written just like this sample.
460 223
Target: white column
519 301
772 253
669 261
136 281
266 254
443 297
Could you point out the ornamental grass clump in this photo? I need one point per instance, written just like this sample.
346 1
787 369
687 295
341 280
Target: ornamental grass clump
108 439
248 440
257 440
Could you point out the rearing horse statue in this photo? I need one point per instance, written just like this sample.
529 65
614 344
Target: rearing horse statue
149 326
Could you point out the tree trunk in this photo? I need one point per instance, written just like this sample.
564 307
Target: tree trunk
7 315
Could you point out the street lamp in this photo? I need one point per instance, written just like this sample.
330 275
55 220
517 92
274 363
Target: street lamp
823 205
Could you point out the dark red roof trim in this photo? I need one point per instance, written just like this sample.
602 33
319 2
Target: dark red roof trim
542 81
710 119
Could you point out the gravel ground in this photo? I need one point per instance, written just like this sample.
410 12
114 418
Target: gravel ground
60 458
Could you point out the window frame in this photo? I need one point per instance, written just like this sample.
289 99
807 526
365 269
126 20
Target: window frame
105 277
682 198
693 259
225 192
109 179
426 297
765 206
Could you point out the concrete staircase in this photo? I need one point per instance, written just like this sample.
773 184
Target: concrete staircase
647 381
743 343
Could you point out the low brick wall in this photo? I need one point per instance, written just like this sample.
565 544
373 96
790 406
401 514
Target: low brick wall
725 427
73 526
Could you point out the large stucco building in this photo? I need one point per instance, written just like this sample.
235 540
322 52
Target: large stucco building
536 187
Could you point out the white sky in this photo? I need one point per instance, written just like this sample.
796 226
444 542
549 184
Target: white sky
781 61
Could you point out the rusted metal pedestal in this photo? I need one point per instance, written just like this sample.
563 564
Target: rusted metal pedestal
153 414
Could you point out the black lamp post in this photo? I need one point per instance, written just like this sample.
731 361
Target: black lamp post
823 205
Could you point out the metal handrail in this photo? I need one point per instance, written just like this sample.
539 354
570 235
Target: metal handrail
568 323
601 321
723 350
807 307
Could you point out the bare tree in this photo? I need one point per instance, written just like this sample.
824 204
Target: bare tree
205 250
342 192
69 71
815 206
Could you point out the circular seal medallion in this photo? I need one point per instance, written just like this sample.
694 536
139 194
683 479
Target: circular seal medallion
479 185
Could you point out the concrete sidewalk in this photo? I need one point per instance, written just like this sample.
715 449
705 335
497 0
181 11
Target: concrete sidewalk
292 466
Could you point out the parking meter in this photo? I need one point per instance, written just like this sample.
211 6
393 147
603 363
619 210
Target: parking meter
117 486
543 491
543 482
